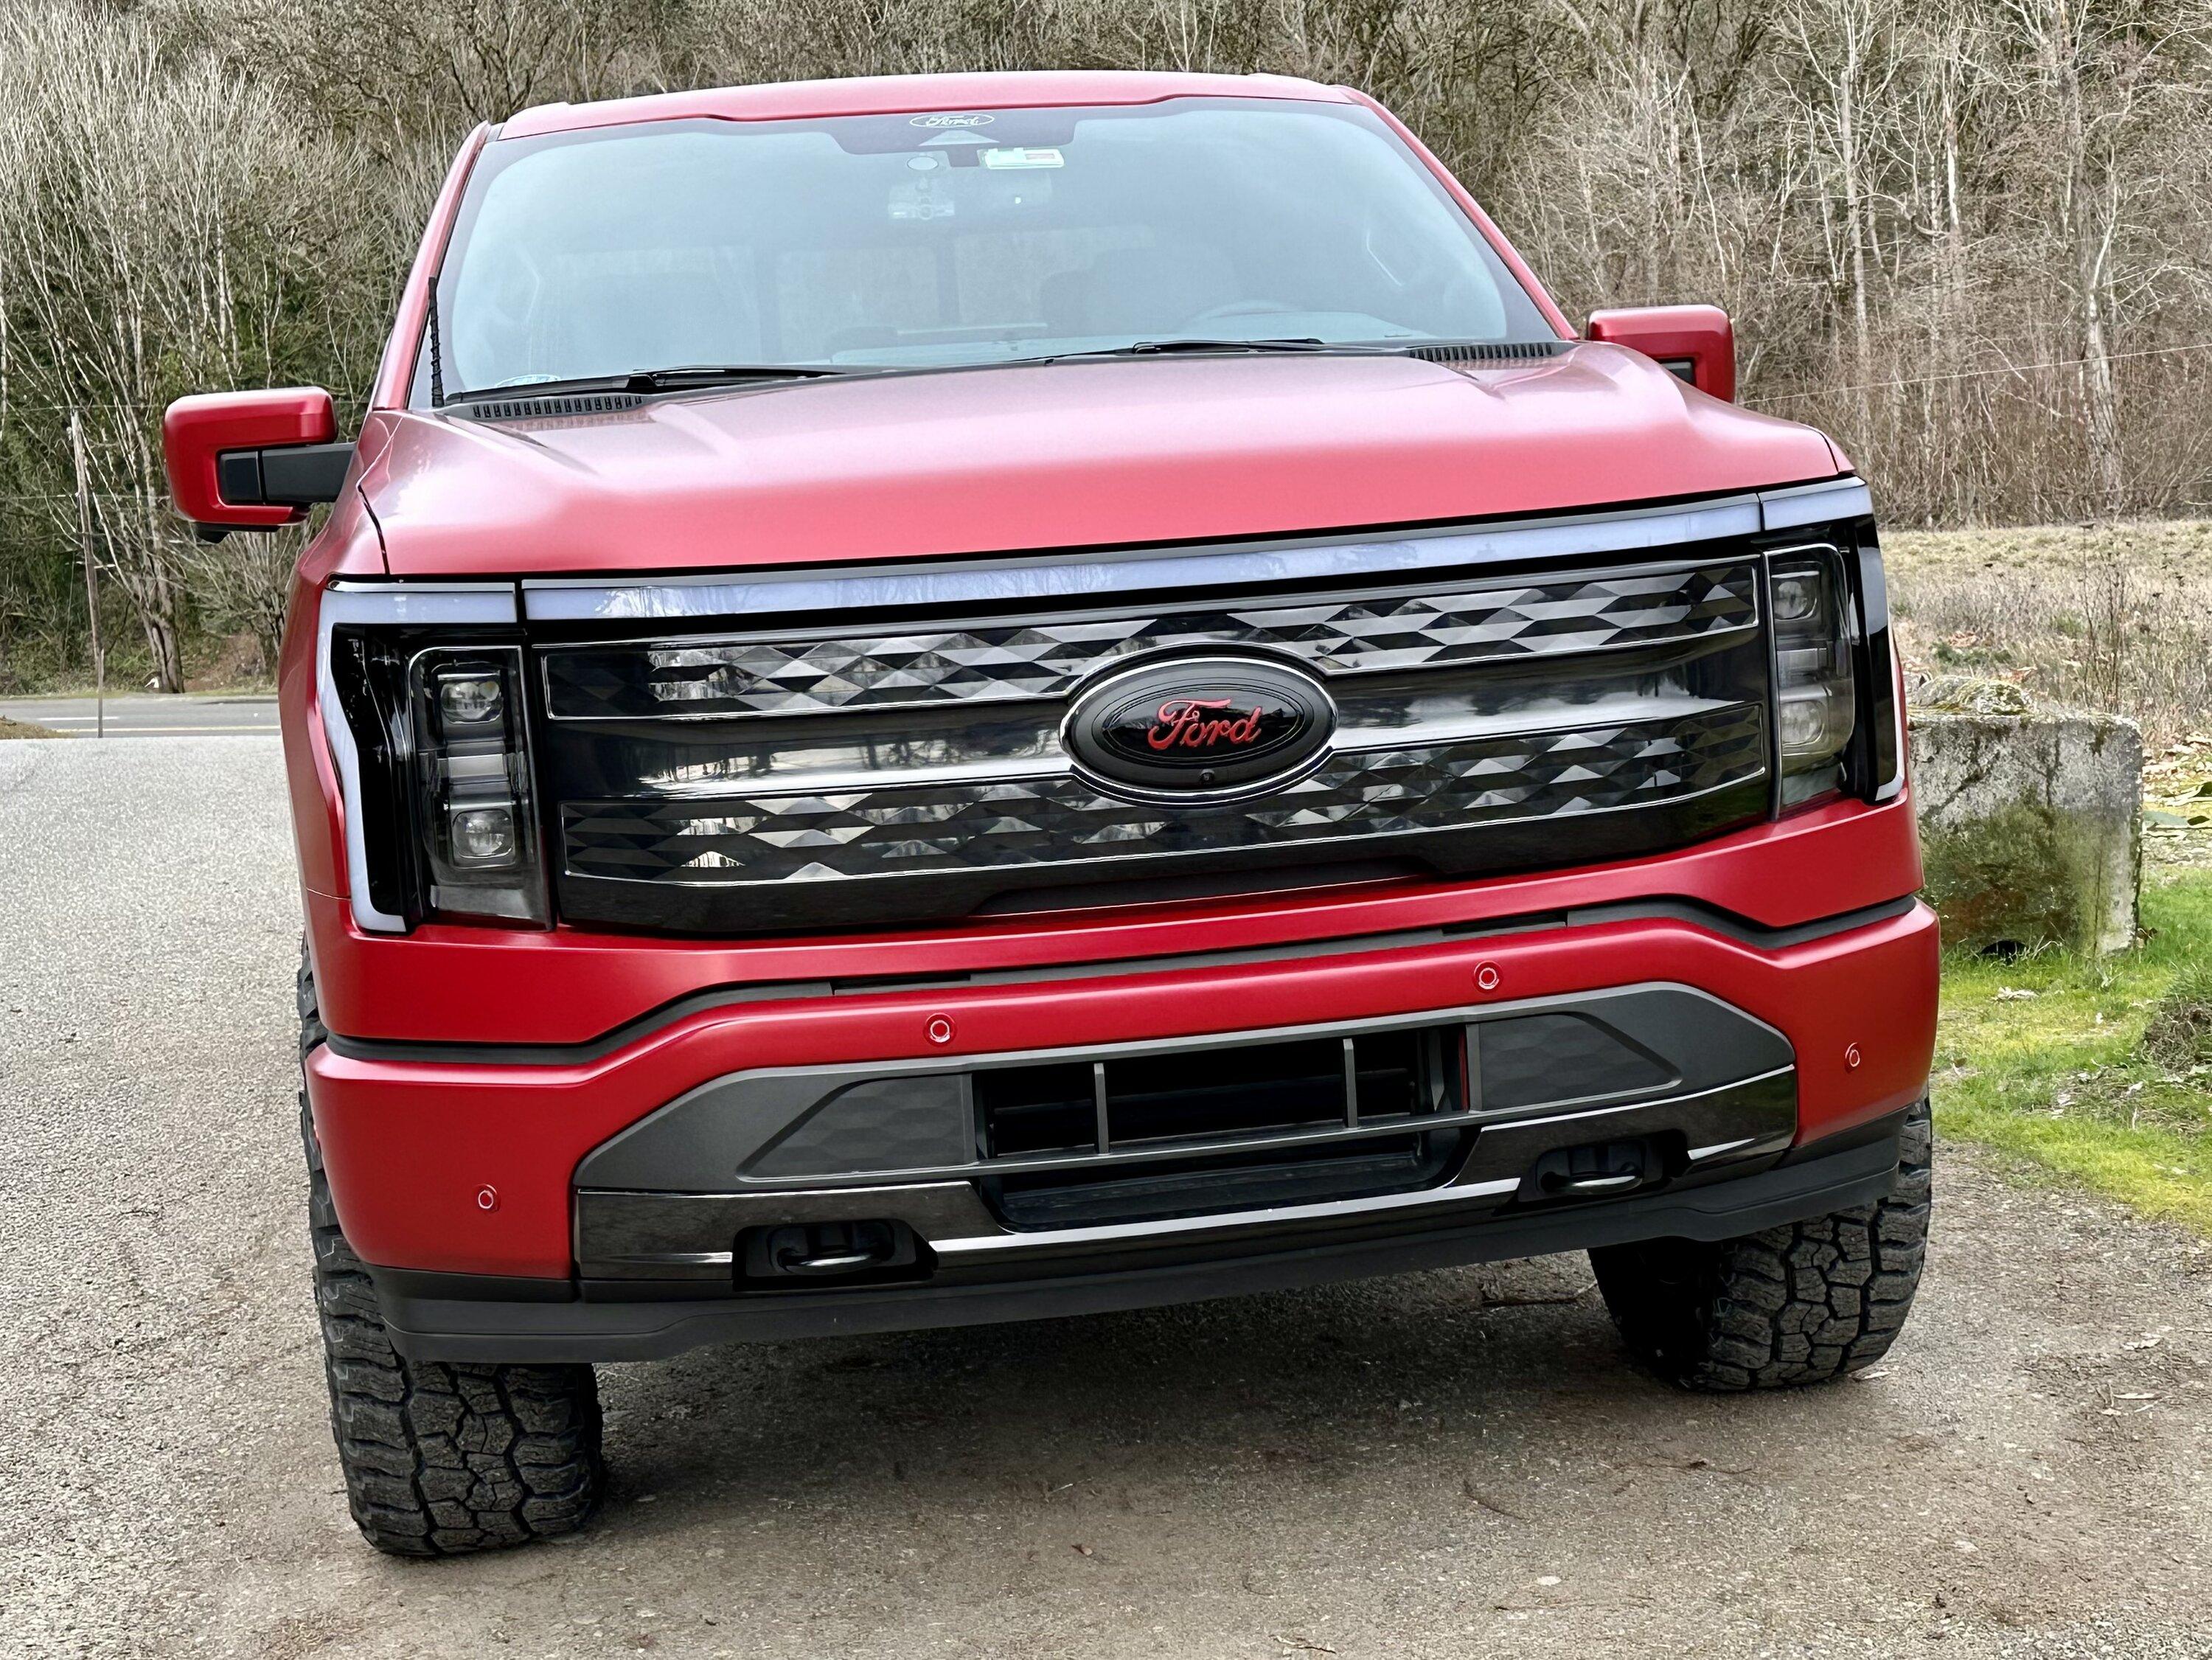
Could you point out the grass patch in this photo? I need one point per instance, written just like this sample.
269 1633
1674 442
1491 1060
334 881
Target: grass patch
25 729
2098 1069
2112 616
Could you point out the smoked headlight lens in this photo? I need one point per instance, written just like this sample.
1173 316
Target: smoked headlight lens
1815 691
472 799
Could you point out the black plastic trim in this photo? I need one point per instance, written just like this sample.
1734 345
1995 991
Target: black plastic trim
465 1318
1886 1129
1877 769
291 476
728 1129
1693 912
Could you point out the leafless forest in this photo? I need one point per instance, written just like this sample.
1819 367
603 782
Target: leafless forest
1968 236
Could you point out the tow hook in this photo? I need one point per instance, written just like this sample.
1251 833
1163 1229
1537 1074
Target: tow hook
1597 1170
827 1250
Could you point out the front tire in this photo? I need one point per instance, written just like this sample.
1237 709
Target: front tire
1804 1303
439 1459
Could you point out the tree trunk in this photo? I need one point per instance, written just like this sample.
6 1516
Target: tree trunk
2086 246
164 624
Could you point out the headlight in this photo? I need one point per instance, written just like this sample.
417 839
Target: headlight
1815 690
473 819
434 750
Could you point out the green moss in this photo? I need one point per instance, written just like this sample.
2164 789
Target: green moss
2024 875
2154 1172
2046 1057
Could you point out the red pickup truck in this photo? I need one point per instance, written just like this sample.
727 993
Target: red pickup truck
964 698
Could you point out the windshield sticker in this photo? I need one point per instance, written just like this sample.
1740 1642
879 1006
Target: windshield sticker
918 199
1004 159
952 120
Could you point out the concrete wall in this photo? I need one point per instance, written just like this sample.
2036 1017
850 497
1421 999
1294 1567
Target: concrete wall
2030 819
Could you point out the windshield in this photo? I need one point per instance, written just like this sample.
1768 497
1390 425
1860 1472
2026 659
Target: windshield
912 241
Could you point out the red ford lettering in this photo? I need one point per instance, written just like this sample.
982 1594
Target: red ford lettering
1184 723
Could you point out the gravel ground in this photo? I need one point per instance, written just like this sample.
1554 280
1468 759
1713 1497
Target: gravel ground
1446 1464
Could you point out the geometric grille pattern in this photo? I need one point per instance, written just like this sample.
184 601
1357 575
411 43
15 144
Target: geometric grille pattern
894 828
1002 662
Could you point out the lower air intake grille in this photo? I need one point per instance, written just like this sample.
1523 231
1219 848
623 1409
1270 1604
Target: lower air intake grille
1186 1133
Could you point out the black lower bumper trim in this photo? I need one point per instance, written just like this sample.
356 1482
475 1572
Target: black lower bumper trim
456 1317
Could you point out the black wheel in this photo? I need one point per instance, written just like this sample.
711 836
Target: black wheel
1799 1304
438 1459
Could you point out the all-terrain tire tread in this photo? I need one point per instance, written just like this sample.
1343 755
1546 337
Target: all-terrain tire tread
1803 1303
439 1459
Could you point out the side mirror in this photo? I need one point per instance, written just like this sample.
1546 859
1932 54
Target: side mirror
1696 343
252 460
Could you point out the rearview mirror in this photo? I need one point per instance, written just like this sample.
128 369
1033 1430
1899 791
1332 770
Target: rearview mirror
1696 343
252 460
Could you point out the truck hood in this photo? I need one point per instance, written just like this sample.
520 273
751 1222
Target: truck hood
1073 455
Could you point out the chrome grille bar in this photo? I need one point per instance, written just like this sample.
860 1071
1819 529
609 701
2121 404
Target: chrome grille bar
895 828
1024 659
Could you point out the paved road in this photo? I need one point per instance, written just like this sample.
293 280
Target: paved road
1450 1464
142 716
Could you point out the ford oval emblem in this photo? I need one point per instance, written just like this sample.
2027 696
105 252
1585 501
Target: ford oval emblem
978 120
1201 725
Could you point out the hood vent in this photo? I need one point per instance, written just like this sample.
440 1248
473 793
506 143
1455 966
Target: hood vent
540 409
1494 352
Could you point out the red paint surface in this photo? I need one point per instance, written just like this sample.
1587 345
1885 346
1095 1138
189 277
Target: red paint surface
1066 455
397 368
196 430
899 94
1703 334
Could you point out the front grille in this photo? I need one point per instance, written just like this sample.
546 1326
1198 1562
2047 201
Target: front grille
1045 657
876 771
893 829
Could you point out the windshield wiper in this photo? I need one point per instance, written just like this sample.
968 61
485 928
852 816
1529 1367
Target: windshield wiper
668 380
1205 346
1199 342
1202 345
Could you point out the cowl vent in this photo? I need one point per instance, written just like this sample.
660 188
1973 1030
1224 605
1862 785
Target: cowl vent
540 409
1495 351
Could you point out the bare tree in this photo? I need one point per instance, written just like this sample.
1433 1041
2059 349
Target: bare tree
161 223
1973 237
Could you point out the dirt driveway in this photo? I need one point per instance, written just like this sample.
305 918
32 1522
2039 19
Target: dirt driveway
1449 1464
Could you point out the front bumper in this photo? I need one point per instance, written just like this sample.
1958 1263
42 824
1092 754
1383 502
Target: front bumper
456 1175
448 1317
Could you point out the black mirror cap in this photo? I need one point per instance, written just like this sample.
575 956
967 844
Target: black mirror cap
293 476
